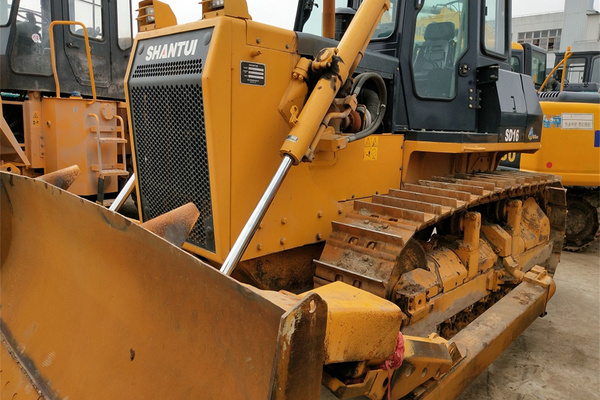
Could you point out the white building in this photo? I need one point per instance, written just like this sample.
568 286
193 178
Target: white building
578 26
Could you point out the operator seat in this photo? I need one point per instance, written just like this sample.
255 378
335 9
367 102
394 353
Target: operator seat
434 60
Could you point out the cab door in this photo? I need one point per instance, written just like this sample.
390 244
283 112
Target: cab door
95 16
442 65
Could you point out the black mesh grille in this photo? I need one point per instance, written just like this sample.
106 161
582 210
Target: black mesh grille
186 67
171 154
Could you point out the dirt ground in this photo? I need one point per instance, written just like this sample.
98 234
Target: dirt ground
558 356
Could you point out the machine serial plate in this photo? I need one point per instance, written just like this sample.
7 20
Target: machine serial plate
252 73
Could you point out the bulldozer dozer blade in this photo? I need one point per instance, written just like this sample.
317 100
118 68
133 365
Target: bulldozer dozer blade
97 307
175 225
63 178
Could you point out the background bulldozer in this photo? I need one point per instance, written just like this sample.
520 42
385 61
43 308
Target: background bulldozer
61 83
352 236
571 136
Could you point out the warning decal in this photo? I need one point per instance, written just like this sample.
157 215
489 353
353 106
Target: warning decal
370 151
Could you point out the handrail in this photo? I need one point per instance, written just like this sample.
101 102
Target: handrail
87 49
122 136
568 54
98 141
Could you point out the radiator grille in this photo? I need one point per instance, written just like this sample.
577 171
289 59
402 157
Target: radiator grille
186 67
171 154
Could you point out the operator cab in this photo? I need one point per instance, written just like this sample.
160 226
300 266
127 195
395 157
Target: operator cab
25 45
529 59
582 72
446 82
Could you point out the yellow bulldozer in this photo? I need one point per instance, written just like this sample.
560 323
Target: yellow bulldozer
345 229
570 102
62 94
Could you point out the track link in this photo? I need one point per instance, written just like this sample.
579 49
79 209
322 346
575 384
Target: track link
365 248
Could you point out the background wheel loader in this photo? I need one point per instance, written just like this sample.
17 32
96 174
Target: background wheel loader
571 137
61 80
352 235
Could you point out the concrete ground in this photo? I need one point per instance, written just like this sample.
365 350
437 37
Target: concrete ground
558 356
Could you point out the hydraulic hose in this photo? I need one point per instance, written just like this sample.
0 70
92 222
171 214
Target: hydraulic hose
382 91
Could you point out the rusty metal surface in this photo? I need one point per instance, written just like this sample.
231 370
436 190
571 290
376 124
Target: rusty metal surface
100 308
16 383
175 225
488 336
389 224
63 178
299 358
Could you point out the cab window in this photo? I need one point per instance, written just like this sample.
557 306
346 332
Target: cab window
88 12
575 70
124 24
30 52
439 40
495 27
5 6
538 67
344 14
595 74
515 64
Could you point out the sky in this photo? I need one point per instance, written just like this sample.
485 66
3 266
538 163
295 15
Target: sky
281 12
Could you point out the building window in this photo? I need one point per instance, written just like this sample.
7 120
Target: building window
547 39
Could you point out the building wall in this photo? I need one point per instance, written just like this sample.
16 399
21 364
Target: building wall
578 27
544 30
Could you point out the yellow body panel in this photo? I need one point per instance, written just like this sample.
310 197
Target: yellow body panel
59 133
243 143
69 140
570 144
373 321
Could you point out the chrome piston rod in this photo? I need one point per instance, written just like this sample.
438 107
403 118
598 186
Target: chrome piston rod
123 194
242 242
